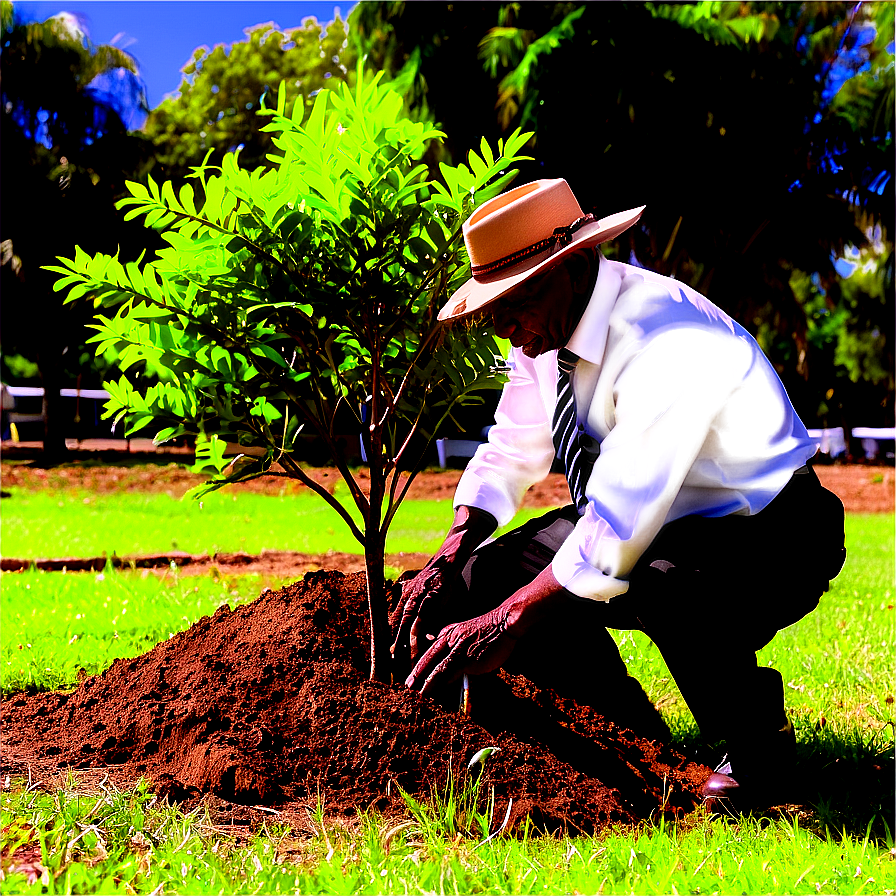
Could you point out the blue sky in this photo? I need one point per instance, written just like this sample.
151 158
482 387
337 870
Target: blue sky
162 34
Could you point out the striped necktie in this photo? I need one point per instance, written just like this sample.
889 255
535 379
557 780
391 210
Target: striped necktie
567 439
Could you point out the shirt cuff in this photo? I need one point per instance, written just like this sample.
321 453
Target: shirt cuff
578 576
475 491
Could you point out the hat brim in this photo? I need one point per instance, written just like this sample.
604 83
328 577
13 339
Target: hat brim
479 292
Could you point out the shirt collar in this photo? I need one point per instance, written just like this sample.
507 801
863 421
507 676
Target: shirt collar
589 339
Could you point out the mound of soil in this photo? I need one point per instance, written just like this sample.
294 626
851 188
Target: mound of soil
270 704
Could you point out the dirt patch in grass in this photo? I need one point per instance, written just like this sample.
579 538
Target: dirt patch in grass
862 488
270 704
273 564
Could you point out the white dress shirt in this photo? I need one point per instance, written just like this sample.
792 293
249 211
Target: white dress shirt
690 415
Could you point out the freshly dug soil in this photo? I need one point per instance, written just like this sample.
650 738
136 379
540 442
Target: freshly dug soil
270 704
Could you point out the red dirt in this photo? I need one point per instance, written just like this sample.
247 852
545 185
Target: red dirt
273 564
862 488
269 703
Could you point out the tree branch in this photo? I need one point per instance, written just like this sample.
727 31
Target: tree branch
298 473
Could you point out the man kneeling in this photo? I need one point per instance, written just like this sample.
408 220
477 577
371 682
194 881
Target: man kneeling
694 517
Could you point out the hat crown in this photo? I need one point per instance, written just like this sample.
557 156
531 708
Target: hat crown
518 219
519 233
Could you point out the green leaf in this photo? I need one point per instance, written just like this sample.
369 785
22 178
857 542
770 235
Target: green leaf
266 351
221 360
276 290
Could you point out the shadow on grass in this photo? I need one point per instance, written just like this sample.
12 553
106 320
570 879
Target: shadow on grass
849 783
844 781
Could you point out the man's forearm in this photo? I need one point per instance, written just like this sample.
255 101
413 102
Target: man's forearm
470 528
533 603
430 589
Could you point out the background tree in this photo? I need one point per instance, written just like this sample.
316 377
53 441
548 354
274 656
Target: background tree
215 107
288 294
758 135
851 336
64 160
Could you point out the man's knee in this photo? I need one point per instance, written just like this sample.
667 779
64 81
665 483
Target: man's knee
571 651
501 567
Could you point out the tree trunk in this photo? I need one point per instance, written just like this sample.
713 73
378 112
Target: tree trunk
380 658
374 558
55 450
374 536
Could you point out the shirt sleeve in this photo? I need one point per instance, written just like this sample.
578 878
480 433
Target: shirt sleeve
666 397
519 451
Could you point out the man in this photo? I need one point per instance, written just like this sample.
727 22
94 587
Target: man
694 517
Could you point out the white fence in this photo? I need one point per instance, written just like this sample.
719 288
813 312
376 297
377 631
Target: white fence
833 441
12 393
830 441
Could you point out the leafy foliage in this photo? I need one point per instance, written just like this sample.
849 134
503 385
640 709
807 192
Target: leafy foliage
521 51
418 46
222 89
722 23
850 339
59 51
288 297
759 136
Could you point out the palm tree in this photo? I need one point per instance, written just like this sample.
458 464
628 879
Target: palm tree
759 135
66 154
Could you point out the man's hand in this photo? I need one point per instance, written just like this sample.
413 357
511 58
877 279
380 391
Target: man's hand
422 599
475 647
484 643
425 597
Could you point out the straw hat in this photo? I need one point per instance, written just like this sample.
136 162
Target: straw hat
521 232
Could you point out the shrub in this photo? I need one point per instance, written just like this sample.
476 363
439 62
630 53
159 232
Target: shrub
288 295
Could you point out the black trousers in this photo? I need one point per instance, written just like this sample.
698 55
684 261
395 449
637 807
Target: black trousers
709 592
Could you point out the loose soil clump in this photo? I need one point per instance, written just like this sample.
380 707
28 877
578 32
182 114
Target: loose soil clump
270 704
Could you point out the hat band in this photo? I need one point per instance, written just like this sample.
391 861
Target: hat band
562 236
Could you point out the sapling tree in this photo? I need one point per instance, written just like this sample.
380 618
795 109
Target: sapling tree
288 298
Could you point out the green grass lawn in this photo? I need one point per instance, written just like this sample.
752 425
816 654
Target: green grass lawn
837 665
125 842
57 627
75 523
